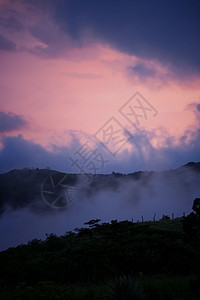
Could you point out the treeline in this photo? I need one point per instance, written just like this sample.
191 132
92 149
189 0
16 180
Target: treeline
103 257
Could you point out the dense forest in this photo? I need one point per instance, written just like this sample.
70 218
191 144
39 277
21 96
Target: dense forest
116 260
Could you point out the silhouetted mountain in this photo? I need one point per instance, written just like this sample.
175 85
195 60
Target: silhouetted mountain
22 188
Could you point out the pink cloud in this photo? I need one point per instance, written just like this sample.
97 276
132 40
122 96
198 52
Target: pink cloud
59 86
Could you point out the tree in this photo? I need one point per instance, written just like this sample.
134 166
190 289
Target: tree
196 206
92 223
191 223
165 217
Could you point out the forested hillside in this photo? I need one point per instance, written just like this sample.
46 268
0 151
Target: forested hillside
117 260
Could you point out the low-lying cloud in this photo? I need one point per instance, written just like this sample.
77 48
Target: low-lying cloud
142 195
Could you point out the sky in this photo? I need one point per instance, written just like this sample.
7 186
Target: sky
96 87
99 86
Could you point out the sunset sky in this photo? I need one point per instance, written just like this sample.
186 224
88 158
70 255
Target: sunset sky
75 75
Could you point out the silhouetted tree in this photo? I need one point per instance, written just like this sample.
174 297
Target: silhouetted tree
196 206
191 223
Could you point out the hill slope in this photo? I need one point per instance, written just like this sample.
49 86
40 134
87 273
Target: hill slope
83 264
22 188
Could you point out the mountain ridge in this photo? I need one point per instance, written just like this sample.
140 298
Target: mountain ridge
20 188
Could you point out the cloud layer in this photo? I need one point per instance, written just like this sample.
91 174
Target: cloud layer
10 122
166 31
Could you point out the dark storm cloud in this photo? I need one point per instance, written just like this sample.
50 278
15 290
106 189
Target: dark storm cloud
10 122
164 30
167 31
6 45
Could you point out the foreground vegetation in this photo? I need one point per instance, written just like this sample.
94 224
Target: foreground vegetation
117 260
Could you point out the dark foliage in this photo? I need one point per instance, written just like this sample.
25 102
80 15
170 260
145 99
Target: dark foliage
96 255
191 223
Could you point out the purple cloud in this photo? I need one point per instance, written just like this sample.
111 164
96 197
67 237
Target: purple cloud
10 122
141 70
6 45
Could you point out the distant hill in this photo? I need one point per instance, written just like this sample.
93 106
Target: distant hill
22 188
